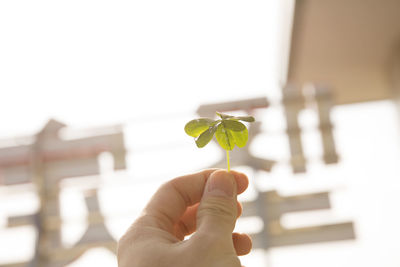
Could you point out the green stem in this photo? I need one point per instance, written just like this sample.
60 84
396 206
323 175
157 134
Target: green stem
227 161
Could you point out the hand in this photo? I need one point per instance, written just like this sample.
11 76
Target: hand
203 204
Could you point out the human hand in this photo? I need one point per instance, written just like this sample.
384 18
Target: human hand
203 204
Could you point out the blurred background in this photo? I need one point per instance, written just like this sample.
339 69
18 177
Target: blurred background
94 96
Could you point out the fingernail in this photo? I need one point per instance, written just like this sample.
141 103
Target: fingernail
220 183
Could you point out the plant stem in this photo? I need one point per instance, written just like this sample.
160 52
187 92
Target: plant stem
227 161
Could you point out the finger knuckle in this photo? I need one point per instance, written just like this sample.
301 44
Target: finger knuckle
221 208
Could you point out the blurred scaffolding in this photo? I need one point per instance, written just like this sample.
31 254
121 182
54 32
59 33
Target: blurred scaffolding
52 156
44 164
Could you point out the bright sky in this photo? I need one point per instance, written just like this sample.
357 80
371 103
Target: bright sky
93 63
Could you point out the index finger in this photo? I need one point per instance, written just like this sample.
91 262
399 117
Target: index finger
169 203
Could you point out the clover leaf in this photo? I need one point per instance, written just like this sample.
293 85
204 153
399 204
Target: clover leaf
228 130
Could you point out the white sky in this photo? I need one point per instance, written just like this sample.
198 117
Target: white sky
93 63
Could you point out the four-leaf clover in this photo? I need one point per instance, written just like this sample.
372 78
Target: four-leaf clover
228 130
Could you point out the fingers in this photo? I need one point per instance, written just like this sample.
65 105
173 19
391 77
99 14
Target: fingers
217 213
187 224
242 243
170 202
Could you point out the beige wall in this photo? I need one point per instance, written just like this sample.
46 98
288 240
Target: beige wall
347 44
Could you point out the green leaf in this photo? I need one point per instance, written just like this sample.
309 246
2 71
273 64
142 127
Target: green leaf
224 116
206 136
240 118
233 125
245 118
195 127
240 138
224 137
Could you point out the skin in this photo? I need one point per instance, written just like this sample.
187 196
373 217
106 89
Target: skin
203 205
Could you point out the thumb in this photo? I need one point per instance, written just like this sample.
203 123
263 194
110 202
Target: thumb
217 212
